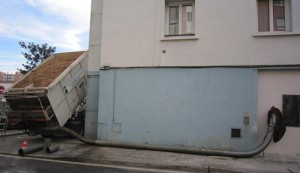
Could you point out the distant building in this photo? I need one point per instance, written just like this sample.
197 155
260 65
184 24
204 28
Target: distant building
194 73
7 79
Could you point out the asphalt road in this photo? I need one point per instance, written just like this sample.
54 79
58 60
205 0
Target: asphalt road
15 164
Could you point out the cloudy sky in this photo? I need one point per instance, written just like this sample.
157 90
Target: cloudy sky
63 24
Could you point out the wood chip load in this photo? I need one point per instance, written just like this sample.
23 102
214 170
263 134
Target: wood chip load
48 71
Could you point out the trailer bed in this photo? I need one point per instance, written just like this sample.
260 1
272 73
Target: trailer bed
50 92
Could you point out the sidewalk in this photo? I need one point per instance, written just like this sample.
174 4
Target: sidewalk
73 150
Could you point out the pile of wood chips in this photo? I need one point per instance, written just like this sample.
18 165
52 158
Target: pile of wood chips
47 72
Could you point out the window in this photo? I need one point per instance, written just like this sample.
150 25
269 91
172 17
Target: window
8 77
180 17
291 110
174 20
273 15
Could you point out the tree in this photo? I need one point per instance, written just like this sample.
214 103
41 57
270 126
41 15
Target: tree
35 54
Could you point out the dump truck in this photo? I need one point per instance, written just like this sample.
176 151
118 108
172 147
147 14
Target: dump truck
52 94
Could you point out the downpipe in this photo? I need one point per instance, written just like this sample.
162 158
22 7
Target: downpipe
201 151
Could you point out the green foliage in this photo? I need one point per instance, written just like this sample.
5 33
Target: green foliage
35 54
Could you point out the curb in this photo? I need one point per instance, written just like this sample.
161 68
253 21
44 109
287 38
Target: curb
198 169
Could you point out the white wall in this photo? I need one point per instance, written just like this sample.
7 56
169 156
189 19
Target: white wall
271 86
133 36
128 32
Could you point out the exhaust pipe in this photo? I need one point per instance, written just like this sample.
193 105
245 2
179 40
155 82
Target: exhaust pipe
200 151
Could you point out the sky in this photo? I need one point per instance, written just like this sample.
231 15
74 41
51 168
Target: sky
63 24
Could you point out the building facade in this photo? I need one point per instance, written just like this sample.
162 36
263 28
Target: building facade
193 73
7 79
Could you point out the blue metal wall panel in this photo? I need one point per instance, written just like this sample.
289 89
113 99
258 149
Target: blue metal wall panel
190 107
92 100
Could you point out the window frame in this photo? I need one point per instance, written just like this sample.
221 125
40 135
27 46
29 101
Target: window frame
180 4
288 14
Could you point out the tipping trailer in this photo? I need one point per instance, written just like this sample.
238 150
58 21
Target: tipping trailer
49 95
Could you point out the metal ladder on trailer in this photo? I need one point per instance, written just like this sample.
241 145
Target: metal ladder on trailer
3 127
3 120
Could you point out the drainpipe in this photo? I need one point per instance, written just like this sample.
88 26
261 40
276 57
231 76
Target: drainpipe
201 151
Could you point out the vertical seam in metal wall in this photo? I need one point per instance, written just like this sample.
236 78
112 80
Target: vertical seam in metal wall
114 97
